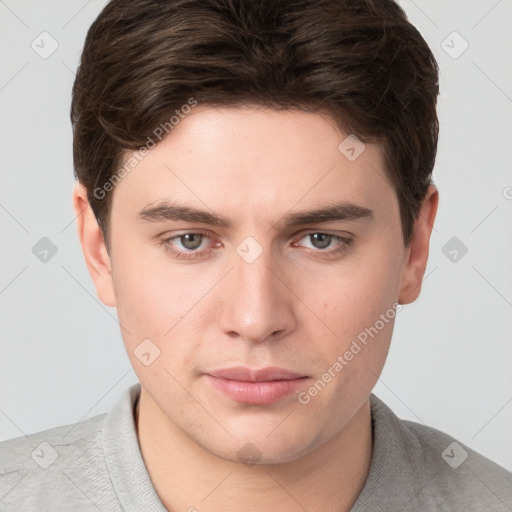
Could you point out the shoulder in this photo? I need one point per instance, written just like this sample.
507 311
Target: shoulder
432 447
448 475
36 448
64 464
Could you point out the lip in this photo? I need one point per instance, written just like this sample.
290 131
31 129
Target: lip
243 374
256 386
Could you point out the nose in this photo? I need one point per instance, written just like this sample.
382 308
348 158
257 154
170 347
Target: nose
257 300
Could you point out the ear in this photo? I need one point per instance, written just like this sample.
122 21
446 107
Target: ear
93 246
417 253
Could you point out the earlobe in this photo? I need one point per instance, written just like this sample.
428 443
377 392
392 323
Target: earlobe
93 246
417 254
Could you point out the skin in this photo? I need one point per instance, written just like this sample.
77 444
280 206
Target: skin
293 307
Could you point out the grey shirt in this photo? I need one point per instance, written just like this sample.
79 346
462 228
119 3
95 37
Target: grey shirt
97 465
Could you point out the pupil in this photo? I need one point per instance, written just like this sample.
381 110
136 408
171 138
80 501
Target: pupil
193 245
324 239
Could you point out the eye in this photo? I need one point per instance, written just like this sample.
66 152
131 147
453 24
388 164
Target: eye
194 245
190 242
320 241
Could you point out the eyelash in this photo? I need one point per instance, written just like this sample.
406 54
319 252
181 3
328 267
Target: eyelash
345 244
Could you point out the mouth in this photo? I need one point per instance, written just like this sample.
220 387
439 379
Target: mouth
256 386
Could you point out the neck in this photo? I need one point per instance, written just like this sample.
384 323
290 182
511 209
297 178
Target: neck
188 477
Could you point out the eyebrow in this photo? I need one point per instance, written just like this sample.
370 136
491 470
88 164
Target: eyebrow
172 211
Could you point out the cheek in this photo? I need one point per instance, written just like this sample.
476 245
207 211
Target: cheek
147 300
361 292
163 303
152 305
361 307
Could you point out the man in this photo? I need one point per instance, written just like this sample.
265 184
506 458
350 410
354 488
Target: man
255 199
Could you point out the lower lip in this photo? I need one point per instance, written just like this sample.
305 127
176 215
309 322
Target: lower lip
257 393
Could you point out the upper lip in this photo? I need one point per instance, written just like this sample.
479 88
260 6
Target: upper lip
243 374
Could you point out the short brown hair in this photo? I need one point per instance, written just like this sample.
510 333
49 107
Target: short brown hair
360 61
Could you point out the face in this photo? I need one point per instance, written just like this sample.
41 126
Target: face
265 285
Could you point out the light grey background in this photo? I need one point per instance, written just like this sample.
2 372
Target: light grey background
61 354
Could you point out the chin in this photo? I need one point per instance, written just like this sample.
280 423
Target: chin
260 450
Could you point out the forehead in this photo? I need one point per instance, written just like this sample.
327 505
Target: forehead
247 158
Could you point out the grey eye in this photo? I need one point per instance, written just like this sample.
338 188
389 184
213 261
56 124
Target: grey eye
320 240
191 240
